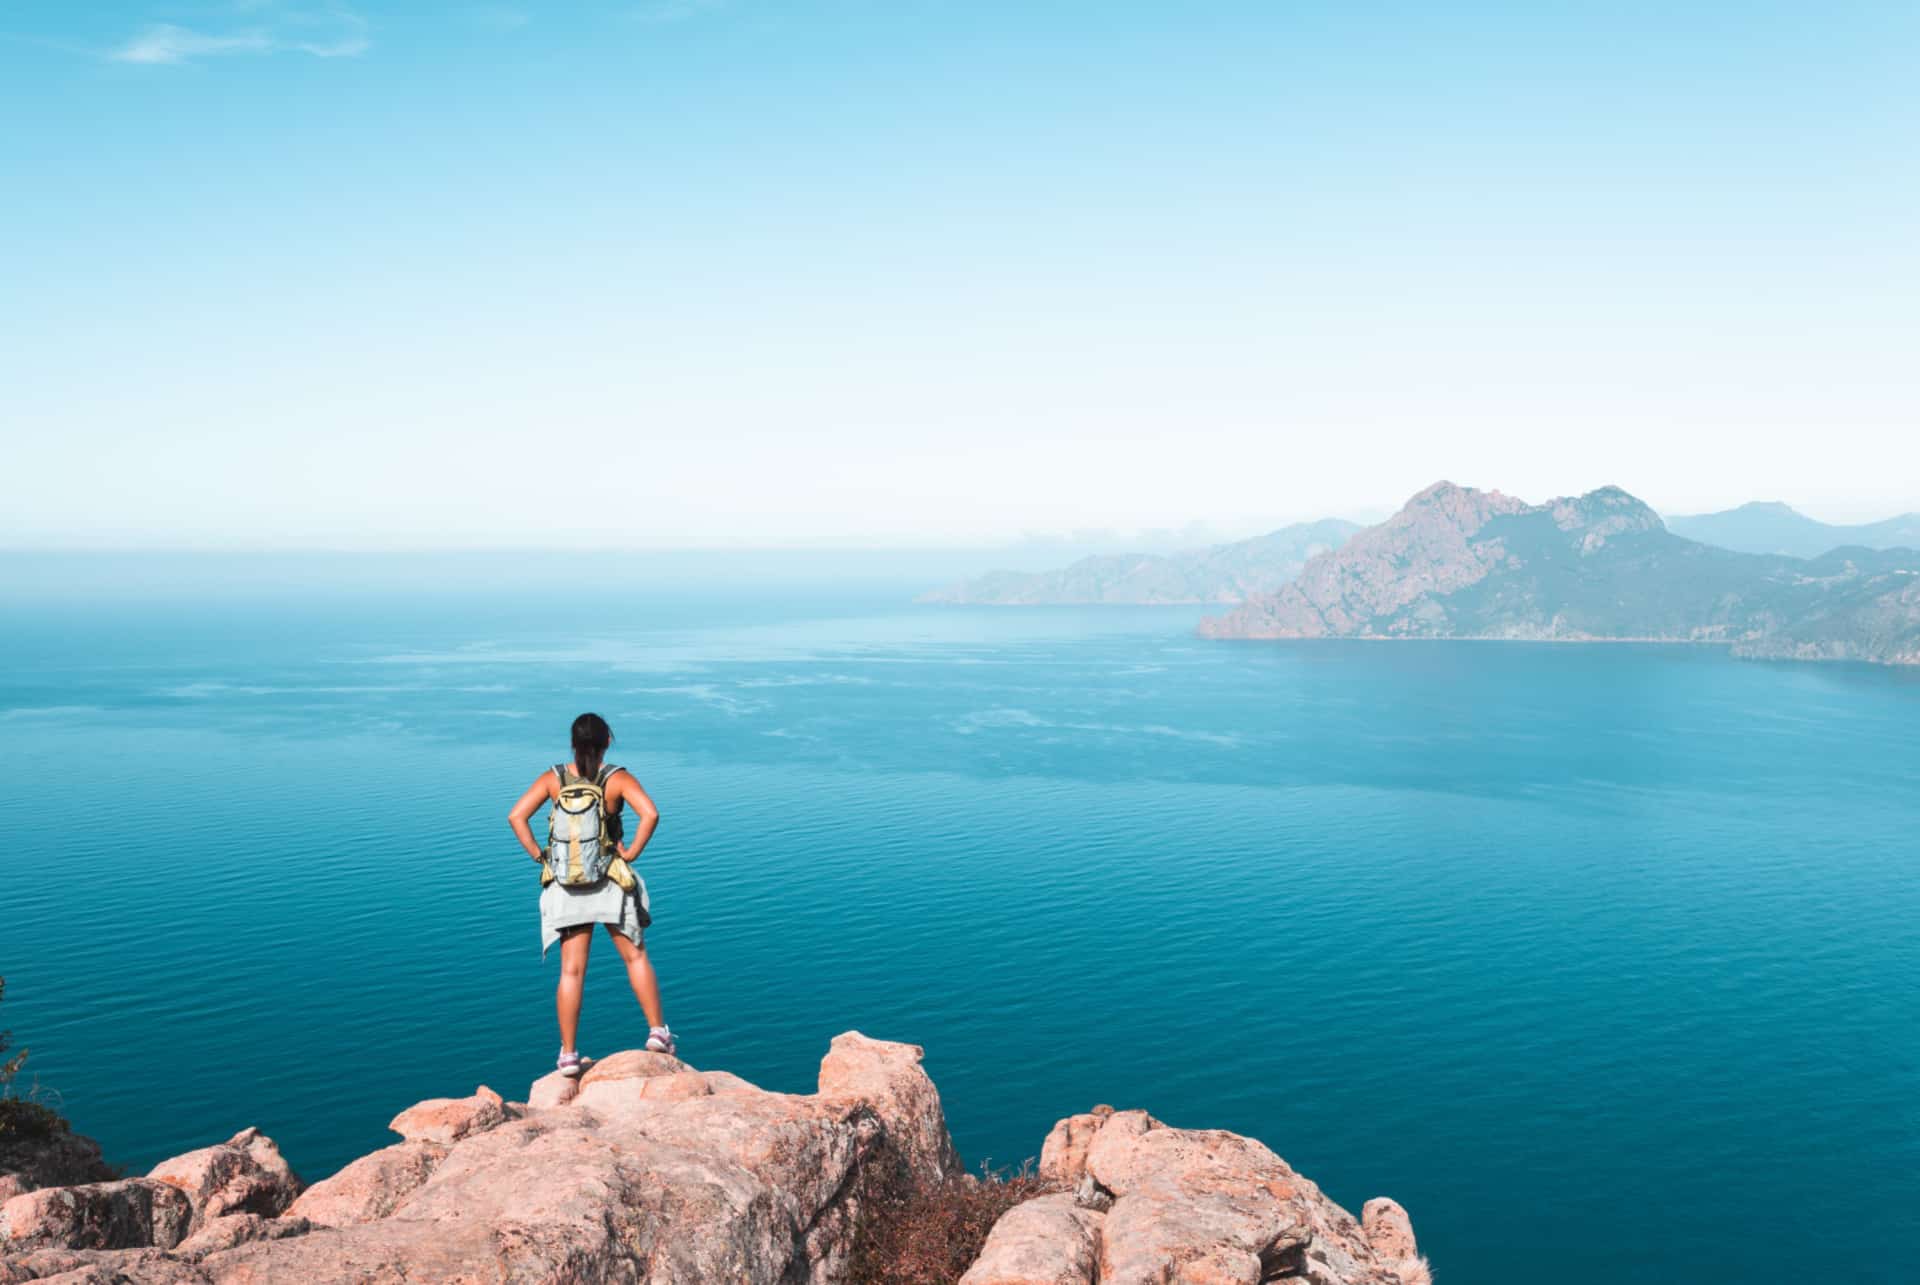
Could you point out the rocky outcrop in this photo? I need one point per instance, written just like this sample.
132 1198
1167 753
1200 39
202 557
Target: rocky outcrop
887 1077
1390 1232
645 1169
1049 1240
246 1174
447 1120
371 1187
650 1170
1460 563
1162 1204
97 1215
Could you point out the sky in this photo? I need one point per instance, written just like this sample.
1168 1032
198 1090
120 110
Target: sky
725 273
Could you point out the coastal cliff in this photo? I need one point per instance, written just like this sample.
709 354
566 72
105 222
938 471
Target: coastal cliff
1456 562
648 1170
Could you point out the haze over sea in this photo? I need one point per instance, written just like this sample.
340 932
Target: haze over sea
1600 959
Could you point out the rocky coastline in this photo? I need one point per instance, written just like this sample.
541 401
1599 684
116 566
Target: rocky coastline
646 1169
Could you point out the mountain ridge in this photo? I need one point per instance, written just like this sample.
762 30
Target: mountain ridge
1213 574
1772 526
1456 562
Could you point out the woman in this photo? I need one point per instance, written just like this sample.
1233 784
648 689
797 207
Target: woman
568 914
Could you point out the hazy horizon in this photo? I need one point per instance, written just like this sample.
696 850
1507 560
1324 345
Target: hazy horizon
1026 549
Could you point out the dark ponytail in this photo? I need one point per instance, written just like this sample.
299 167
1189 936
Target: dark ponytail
591 737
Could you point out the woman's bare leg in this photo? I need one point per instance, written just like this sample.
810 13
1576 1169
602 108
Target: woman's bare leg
574 945
646 987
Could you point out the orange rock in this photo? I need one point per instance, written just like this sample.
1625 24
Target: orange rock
889 1077
1043 1241
632 1064
129 1213
1390 1232
656 1171
447 1120
245 1174
238 1229
552 1090
615 1096
371 1187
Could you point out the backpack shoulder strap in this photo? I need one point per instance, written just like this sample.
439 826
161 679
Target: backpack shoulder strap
606 774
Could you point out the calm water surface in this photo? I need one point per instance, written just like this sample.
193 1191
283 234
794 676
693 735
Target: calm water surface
1602 960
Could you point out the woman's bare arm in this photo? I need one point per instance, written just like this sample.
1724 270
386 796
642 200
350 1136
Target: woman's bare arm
538 793
624 786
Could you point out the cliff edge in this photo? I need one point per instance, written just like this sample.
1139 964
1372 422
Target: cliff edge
645 1169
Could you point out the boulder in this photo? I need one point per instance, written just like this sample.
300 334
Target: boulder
127 1213
245 1174
99 1267
371 1187
552 1090
1390 1232
1191 1205
616 1096
447 1120
1063 1156
1044 1241
229 1230
889 1078
634 1064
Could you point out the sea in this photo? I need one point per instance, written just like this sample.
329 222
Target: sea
1604 960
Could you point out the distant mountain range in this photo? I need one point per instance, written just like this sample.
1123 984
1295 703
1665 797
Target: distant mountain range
1772 527
1463 563
1221 573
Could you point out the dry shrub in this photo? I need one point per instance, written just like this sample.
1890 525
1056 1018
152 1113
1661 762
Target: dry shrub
25 1121
930 1235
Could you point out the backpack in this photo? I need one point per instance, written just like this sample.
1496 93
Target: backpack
583 840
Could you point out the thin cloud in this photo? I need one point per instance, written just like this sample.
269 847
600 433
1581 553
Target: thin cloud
677 10
165 42
499 17
333 33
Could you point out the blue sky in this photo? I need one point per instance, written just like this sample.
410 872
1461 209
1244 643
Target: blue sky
853 271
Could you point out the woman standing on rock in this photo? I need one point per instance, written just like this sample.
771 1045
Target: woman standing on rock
586 879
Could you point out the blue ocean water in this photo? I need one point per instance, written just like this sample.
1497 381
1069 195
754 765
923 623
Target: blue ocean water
1601 959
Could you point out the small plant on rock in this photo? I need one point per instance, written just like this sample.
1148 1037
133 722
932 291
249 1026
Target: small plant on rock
21 1118
11 1066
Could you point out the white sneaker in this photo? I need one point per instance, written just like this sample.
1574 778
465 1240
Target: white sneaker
569 1064
660 1040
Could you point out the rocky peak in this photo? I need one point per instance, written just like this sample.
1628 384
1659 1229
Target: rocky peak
1465 508
1609 506
1600 515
